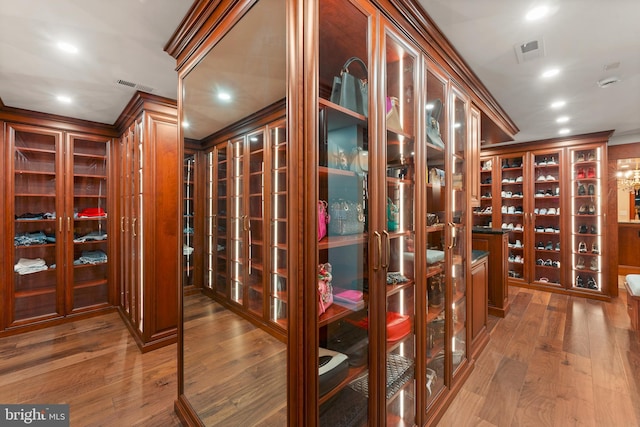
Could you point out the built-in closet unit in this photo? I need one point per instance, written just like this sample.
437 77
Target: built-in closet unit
551 200
57 228
380 317
149 219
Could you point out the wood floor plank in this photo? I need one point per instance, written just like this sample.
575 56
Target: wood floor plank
554 360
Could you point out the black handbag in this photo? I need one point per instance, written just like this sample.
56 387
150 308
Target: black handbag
349 91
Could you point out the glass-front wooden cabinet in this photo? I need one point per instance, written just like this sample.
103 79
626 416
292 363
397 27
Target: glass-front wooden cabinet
58 211
336 215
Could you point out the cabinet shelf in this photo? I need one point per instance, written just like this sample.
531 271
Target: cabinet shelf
34 292
354 373
394 289
338 241
334 313
90 284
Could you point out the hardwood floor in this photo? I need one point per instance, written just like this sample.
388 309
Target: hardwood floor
554 360
93 365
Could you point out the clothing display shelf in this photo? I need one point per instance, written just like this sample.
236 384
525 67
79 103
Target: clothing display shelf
511 212
60 205
188 212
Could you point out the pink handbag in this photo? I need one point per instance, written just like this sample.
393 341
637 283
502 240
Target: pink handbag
323 219
325 289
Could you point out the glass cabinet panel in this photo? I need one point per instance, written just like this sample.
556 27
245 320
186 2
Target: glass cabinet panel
344 324
216 202
253 226
278 283
89 252
188 217
239 223
38 230
458 227
436 235
512 215
587 218
401 71
547 218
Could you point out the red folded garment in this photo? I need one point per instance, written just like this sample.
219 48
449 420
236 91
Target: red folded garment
89 212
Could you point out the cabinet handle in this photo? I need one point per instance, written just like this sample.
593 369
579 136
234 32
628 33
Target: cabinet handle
245 223
376 263
453 227
68 223
133 227
122 224
60 223
387 248
215 220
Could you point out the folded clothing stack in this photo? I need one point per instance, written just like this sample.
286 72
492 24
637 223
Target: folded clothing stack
91 257
28 266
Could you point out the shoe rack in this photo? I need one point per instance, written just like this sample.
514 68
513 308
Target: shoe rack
552 201
586 219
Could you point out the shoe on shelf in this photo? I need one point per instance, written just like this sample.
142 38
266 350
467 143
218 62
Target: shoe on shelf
539 193
591 209
580 263
511 209
539 229
558 245
548 263
510 226
583 229
504 226
591 172
580 157
594 264
552 161
556 264
539 261
582 210
543 280
582 247
579 282
541 178
594 248
536 211
591 283
549 230
551 178
543 211
542 162
549 246
582 191
591 190
591 156
581 174
551 211
540 245
594 229
518 244
519 179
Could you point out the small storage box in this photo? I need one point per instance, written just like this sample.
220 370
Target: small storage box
334 368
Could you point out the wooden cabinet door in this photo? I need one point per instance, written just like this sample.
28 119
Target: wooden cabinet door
38 221
87 206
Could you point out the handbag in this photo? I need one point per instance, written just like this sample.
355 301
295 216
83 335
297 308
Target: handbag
325 289
349 91
392 215
360 162
433 125
323 219
393 115
347 217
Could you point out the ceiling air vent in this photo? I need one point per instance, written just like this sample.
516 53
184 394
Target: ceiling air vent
608 81
529 50
135 86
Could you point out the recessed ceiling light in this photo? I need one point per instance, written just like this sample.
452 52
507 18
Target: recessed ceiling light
224 96
537 13
185 124
563 119
67 47
64 99
550 73
564 131
558 104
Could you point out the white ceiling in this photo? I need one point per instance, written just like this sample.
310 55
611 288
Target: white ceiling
580 37
124 39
